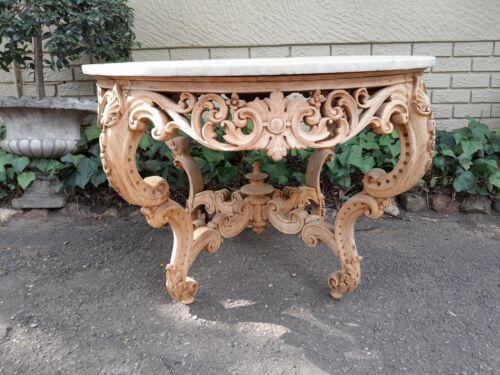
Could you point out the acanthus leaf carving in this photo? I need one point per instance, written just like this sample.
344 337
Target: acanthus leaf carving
110 106
419 97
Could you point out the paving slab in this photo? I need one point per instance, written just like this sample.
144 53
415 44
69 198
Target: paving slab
85 296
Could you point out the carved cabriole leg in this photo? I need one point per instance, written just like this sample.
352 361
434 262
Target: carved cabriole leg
416 132
313 173
183 160
412 119
340 239
124 120
188 243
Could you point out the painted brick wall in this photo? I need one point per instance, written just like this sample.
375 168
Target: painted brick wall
463 35
465 82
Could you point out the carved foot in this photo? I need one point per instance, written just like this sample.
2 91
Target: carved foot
345 280
340 239
181 288
188 242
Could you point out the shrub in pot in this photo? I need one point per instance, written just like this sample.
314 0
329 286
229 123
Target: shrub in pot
50 34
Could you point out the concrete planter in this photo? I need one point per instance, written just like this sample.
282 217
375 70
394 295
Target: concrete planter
47 128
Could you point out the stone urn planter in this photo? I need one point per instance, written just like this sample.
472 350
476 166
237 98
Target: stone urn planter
48 128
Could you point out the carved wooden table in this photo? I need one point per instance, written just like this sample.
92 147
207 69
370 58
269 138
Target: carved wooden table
235 105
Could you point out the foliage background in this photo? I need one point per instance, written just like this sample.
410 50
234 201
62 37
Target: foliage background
70 30
466 161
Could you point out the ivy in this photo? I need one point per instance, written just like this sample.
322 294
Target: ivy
466 160
25 178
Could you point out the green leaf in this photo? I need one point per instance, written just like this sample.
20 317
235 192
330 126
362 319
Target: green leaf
457 137
471 146
228 174
4 158
465 160
480 131
433 180
47 165
368 164
299 176
145 142
213 156
283 180
3 175
439 162
494 179
85 169
19 163
342 157
448 152
201 162
344 181
92 132
370 142
485 166
25 179
395 149
356 157
305 154
98 178
72 159
386 140
465 181
277 171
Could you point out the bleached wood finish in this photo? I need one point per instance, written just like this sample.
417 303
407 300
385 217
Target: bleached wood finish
330 110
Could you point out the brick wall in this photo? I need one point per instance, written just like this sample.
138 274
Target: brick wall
65 83
464 82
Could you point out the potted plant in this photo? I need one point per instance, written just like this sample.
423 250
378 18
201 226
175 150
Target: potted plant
50 34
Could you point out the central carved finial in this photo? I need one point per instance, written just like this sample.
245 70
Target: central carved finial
258 194
256 175
257 186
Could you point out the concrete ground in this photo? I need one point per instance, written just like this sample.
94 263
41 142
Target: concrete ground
84 296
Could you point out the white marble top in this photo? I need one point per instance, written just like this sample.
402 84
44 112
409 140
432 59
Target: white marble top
260 67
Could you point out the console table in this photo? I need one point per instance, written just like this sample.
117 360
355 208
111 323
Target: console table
273 105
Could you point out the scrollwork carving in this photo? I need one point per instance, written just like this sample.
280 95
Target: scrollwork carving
287 209
275 123
232 212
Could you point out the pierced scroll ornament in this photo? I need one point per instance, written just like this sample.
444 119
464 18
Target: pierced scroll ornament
275 123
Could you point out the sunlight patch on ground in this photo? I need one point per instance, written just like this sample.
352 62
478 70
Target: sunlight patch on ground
233 303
